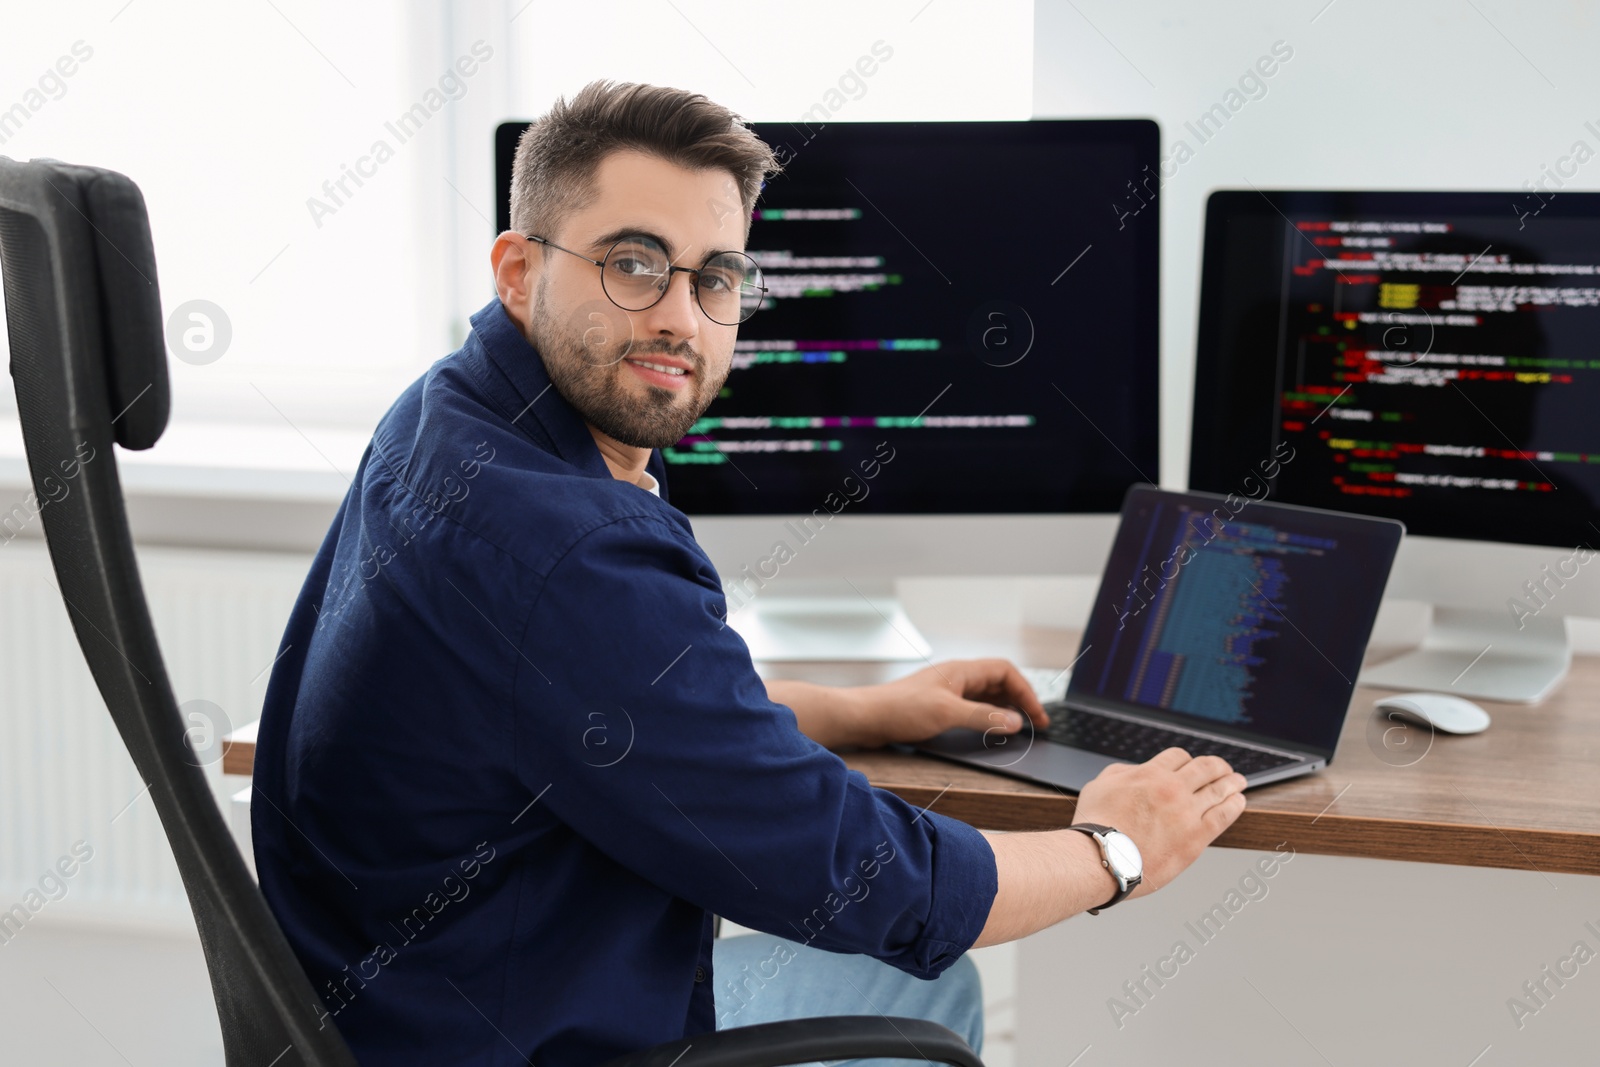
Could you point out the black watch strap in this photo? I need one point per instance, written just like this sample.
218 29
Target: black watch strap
1091 829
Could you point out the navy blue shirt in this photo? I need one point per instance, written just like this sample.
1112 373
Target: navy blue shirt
512 759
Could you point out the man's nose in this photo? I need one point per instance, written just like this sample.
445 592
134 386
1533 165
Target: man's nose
676 314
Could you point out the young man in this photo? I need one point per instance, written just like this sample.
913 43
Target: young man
513 761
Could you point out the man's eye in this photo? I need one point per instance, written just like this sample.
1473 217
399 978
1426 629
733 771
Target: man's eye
716 283
636 267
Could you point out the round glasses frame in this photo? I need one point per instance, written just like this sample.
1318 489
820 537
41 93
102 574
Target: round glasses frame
754 304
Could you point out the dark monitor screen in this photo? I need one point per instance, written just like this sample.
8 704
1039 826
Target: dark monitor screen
1425 356
981 296
1249 618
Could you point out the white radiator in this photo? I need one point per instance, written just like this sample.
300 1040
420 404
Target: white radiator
78 839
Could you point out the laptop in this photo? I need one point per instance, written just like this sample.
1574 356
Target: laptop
1223 625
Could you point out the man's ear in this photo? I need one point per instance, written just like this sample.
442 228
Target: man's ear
516 262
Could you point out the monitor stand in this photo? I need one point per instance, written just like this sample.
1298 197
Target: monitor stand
836 620
1482 654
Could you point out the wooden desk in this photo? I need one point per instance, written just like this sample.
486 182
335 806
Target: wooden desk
239 750
1524 794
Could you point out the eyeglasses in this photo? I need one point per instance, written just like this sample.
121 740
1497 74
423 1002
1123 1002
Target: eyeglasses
636 272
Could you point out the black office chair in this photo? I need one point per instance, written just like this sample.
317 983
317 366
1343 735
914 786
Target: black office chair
89 361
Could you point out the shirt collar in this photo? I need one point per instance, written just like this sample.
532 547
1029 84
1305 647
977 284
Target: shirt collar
524 391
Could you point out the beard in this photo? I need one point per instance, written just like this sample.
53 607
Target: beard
587 368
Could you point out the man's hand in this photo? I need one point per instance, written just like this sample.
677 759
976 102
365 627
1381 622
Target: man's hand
976 693
1172 807
980 694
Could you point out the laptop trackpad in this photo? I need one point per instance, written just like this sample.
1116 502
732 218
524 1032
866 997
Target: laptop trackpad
1022 754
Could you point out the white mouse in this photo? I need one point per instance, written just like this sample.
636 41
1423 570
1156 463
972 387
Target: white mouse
1453 715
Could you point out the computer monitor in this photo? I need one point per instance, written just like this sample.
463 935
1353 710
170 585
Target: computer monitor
1428 357
954 371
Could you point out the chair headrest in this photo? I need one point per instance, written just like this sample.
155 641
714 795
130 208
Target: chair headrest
110 207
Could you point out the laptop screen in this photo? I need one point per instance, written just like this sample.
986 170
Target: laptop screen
1236 615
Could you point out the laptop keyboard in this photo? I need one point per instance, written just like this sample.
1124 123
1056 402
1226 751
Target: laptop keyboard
1136 742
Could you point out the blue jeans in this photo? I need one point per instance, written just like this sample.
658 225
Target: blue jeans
760 978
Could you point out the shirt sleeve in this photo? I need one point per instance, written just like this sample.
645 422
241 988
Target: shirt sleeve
642 725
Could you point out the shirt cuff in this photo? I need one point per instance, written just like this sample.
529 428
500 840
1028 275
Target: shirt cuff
965 881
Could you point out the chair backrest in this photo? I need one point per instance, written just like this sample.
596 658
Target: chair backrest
89 362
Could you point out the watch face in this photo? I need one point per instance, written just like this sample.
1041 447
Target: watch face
1124 854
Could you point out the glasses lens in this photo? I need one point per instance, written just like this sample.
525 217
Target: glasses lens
635 273
730 288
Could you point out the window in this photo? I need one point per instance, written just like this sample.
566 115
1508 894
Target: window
322 176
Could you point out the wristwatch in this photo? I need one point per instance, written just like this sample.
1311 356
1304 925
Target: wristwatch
1119 855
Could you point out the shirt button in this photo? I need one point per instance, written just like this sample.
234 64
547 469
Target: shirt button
699 974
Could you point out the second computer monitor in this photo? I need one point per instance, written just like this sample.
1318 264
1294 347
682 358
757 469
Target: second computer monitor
1427 357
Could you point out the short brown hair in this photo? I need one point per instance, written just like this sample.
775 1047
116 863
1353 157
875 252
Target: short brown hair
553 171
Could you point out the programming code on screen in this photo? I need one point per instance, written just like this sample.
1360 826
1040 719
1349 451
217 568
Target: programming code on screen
917 296
717 439
1229 614
1204 603
1428 357
1433 354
